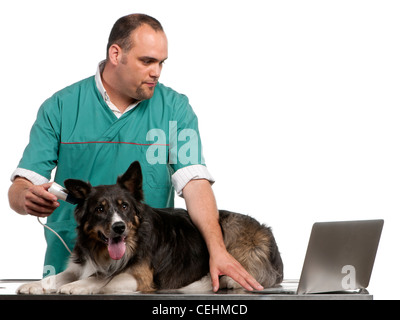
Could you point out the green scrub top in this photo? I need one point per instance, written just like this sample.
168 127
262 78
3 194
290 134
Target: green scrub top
78 133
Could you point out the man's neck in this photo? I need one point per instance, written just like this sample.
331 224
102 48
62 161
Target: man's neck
121 101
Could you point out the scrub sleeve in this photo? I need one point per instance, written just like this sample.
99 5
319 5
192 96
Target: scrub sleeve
77 133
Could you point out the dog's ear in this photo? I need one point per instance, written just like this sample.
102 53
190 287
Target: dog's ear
78 189
132 180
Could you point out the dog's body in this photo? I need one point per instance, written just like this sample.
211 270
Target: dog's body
124 246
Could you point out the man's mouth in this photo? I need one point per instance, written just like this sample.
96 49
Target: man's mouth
151 84
116 246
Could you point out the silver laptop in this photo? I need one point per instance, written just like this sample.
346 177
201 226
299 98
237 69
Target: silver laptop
340 257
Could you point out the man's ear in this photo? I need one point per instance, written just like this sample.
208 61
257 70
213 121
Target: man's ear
115 54
132 180
78 189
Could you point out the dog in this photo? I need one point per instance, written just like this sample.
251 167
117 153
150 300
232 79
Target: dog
125 246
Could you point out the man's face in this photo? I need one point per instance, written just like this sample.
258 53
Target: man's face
140 68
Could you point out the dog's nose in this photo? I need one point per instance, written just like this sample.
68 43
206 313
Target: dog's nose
118 227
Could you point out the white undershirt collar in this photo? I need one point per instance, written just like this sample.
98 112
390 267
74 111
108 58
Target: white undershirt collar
104 94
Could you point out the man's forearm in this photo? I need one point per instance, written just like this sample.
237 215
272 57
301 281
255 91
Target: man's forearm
202 208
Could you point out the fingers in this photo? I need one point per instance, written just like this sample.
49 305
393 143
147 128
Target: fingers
241 276
227 265
41 191
39 210
215 281
39 202
248 282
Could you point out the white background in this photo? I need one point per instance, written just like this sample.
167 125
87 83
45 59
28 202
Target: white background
298 103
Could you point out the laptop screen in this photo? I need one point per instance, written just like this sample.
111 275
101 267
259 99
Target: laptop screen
340 256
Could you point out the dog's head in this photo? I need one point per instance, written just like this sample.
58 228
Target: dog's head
110 215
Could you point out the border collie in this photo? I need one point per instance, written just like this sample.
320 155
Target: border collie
124 246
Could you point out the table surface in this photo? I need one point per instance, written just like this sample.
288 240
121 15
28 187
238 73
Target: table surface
9 286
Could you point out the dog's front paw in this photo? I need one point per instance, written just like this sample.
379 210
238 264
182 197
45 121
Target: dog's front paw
86 286
44 286
31 288
71 288
75 288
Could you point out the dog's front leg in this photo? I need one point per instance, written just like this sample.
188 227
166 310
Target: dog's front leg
121 283
137 278
91 285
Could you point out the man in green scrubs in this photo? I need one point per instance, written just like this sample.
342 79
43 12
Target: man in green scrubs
93 129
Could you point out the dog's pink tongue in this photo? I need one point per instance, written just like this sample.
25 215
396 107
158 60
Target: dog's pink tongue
116 249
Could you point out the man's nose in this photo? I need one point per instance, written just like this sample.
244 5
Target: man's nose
155 71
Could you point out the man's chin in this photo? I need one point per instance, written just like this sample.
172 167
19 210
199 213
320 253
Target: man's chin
144 94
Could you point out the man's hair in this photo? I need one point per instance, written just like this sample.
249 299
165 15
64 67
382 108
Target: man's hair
122 29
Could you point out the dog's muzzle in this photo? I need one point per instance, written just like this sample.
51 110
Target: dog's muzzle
116 241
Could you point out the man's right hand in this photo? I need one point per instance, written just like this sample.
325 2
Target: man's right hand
27 198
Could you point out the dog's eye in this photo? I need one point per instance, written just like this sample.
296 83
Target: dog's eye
124 206
99 209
